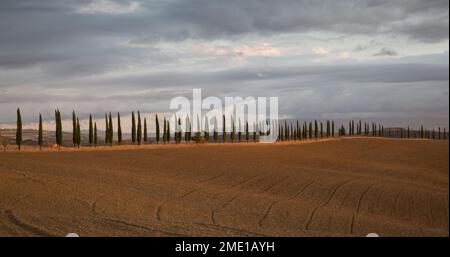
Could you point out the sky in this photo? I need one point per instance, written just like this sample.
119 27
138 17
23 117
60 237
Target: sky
385 61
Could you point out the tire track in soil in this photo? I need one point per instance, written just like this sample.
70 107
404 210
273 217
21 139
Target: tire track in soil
330 196
158 209
357 209
232 199
29 228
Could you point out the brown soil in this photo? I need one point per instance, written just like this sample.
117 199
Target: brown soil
348 187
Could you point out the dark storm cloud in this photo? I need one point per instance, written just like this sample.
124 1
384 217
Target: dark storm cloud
36 31
70 50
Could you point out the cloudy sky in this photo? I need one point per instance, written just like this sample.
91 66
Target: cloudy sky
383 60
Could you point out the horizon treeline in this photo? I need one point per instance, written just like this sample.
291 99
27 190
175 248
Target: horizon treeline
239 131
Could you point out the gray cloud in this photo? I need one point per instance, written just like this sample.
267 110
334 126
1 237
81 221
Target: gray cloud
386 52
98 62
47 31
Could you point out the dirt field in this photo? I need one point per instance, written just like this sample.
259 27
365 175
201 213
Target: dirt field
348 187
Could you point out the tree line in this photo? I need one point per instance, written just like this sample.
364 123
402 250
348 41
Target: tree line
240 132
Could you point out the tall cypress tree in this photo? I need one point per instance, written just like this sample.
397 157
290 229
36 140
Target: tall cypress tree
106 129
165 131
168 132
233 130
216 132
332 128
78 133
139 129
157 128
321 130
255 132
111 130
40 132
224 130
316 129
74 128
206 129
95 134
239 131
310 130
247 133
58 130
56 127
91 131
133 128
145 130
187 132
119 129
421 131
180 130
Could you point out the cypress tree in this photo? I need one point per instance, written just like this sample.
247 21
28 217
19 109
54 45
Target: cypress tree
180 130
408 133
286 131
332 128
247 133
133 128
95 134
198 133
58 129
343 132
310 130
316 129
91 131
239 131
439 133
119 129
111 130
40 132
78 134
328 128
360 128
206 135
106 129
157 128
321 130
224 130
139 129
165 131
74 128
232 130
349 128
168 132
255 129
279 133
188 130
145 130
421 131
216 133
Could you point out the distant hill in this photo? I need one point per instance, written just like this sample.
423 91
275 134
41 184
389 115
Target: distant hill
30 136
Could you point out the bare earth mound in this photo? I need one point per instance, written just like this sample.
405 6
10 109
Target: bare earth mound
348 187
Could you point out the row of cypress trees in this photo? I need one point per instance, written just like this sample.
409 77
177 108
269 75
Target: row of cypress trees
286 132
